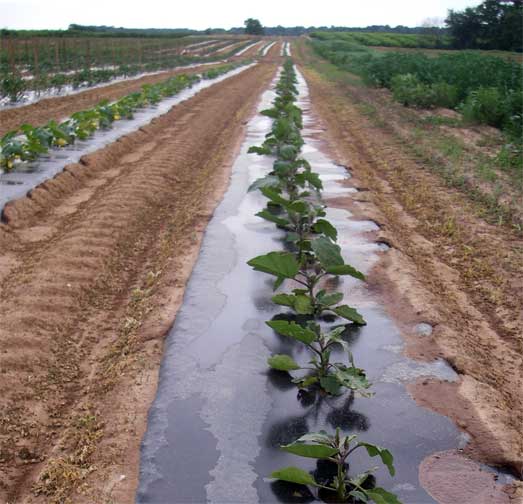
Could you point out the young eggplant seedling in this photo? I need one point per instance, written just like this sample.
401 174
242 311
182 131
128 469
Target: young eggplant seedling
337 449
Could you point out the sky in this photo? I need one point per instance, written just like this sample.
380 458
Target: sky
201 14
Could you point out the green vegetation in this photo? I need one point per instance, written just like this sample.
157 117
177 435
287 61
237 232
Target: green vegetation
253 27
293 193
337 449
382 39
487 89
29 143
493 24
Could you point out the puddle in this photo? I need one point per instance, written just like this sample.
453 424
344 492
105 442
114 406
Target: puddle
26 176
214 367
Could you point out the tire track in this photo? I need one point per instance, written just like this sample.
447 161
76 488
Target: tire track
65 336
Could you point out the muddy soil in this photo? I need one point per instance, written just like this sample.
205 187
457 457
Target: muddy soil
92 271
63 106
447 268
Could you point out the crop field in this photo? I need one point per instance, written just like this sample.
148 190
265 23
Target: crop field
255 268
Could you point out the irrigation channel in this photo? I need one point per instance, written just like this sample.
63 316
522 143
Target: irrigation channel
17 183
220 415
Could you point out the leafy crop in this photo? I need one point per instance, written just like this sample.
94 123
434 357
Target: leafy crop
337 449
28 143
292 190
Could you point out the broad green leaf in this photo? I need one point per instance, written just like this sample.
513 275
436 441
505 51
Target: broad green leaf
316 437
268 181
299 207
330 384
264 214
359 495
278 282
280 264
306 382
282 362
317 451
294 475
351 377
284 299
325 227
350 314
330 299
345 269
303 305
328 253
381 496
274 196
288 152
384 454
262 151
313 179
292 330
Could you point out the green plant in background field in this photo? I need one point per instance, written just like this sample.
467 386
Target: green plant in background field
28 143
337 449
12 86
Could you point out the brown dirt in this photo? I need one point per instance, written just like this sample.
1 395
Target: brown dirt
94 264
61 107
447 267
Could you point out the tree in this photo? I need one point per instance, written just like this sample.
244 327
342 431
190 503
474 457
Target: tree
253 27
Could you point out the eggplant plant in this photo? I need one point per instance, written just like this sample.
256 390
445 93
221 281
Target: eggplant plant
323 259
338 450
331 377
28 143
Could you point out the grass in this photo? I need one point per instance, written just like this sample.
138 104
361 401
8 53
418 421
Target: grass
460 166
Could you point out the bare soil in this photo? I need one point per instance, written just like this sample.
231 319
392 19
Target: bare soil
447 267
93 268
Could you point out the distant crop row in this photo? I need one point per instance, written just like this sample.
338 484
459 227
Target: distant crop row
486 89
39 65
31 142
426 41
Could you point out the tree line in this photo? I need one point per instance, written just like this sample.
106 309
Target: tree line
494 24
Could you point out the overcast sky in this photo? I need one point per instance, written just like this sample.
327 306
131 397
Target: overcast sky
201 14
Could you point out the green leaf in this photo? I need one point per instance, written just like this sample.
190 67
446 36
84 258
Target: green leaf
262 151
381 496
325 227
317 451
330 384
345 269
313 179
316 437
268 181
351 377
294 475
284 299
350 314
274 196
278 282
330 299
303 305
264 214
299 207
383 453
359 495
328 253
288 152
282 362
280 264
292 330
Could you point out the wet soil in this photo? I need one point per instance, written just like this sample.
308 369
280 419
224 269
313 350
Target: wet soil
92 272
447 267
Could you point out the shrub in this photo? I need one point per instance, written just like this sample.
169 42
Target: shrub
408 90
13 87
445 95
486 105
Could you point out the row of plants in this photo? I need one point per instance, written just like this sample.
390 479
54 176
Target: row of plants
13 85
408 40
30 142
318 319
